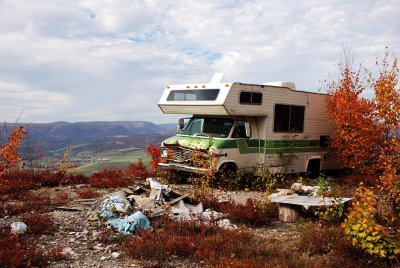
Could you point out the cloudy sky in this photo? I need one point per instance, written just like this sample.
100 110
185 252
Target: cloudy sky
63 60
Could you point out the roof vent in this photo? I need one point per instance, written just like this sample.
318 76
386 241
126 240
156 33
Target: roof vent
290 85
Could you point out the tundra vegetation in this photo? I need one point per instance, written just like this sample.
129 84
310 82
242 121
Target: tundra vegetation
365 142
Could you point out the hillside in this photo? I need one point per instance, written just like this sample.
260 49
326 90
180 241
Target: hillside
96 137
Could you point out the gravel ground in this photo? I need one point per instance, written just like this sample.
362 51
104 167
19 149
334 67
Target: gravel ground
82 241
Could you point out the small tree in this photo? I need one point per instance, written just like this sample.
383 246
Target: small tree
365 232
387 110
366 140
9 156
154 152
356 136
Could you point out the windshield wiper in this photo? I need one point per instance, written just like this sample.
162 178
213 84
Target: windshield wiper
201 135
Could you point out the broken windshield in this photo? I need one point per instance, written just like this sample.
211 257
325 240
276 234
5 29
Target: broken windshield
208 127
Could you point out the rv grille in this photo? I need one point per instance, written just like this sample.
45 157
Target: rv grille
182 155
190 157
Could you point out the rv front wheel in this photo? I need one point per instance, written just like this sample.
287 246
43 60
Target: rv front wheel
177 176
227 170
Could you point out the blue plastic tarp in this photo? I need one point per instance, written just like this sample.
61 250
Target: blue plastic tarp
130 223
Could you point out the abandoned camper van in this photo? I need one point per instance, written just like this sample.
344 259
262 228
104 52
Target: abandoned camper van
238 126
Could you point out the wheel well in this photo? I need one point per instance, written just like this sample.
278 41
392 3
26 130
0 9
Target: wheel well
313 168
228 166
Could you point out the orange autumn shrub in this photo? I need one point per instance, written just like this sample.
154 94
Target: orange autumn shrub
9 156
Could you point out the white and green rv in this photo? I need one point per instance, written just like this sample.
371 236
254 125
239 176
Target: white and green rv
242 126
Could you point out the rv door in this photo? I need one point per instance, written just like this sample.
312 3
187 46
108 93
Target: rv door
242 154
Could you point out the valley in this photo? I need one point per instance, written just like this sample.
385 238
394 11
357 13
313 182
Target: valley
89 146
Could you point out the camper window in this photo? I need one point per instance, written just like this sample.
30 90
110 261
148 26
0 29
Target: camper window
289 118
193 95
246 97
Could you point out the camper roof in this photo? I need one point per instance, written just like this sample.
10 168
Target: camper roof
290 85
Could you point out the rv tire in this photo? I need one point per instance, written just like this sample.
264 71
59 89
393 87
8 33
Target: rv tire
179 177
227 170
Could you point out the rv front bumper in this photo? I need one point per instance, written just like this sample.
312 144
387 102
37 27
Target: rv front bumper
182 168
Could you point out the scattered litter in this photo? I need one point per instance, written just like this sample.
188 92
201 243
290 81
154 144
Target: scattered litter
18 227
114 203
130 223
178 199
209 215
226 224
146 201
160 199
156 191
183 211
127 190
138 189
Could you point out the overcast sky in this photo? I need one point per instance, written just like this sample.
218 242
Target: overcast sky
63 60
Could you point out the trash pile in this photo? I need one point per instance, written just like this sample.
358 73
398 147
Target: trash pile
133 203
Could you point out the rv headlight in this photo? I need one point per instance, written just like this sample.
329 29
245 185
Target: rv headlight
164 153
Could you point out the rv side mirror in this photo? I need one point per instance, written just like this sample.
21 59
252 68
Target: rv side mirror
248 129
181 124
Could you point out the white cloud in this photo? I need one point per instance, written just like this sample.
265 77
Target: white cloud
32 103
100 53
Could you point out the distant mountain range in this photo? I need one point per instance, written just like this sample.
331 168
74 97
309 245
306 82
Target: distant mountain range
98 136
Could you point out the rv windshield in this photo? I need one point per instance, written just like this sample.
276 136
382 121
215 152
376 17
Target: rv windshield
208 126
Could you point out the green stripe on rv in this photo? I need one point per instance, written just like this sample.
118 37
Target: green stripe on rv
246 146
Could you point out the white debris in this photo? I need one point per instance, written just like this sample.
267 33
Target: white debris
183 211
95 234
208 215
304 189
226 224
67 250
115 202
115 255
98 247
18 227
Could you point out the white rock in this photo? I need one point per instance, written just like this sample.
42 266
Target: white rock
108 248
99 248
296 186
226 224
66 250
115 255
104 258
18 227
